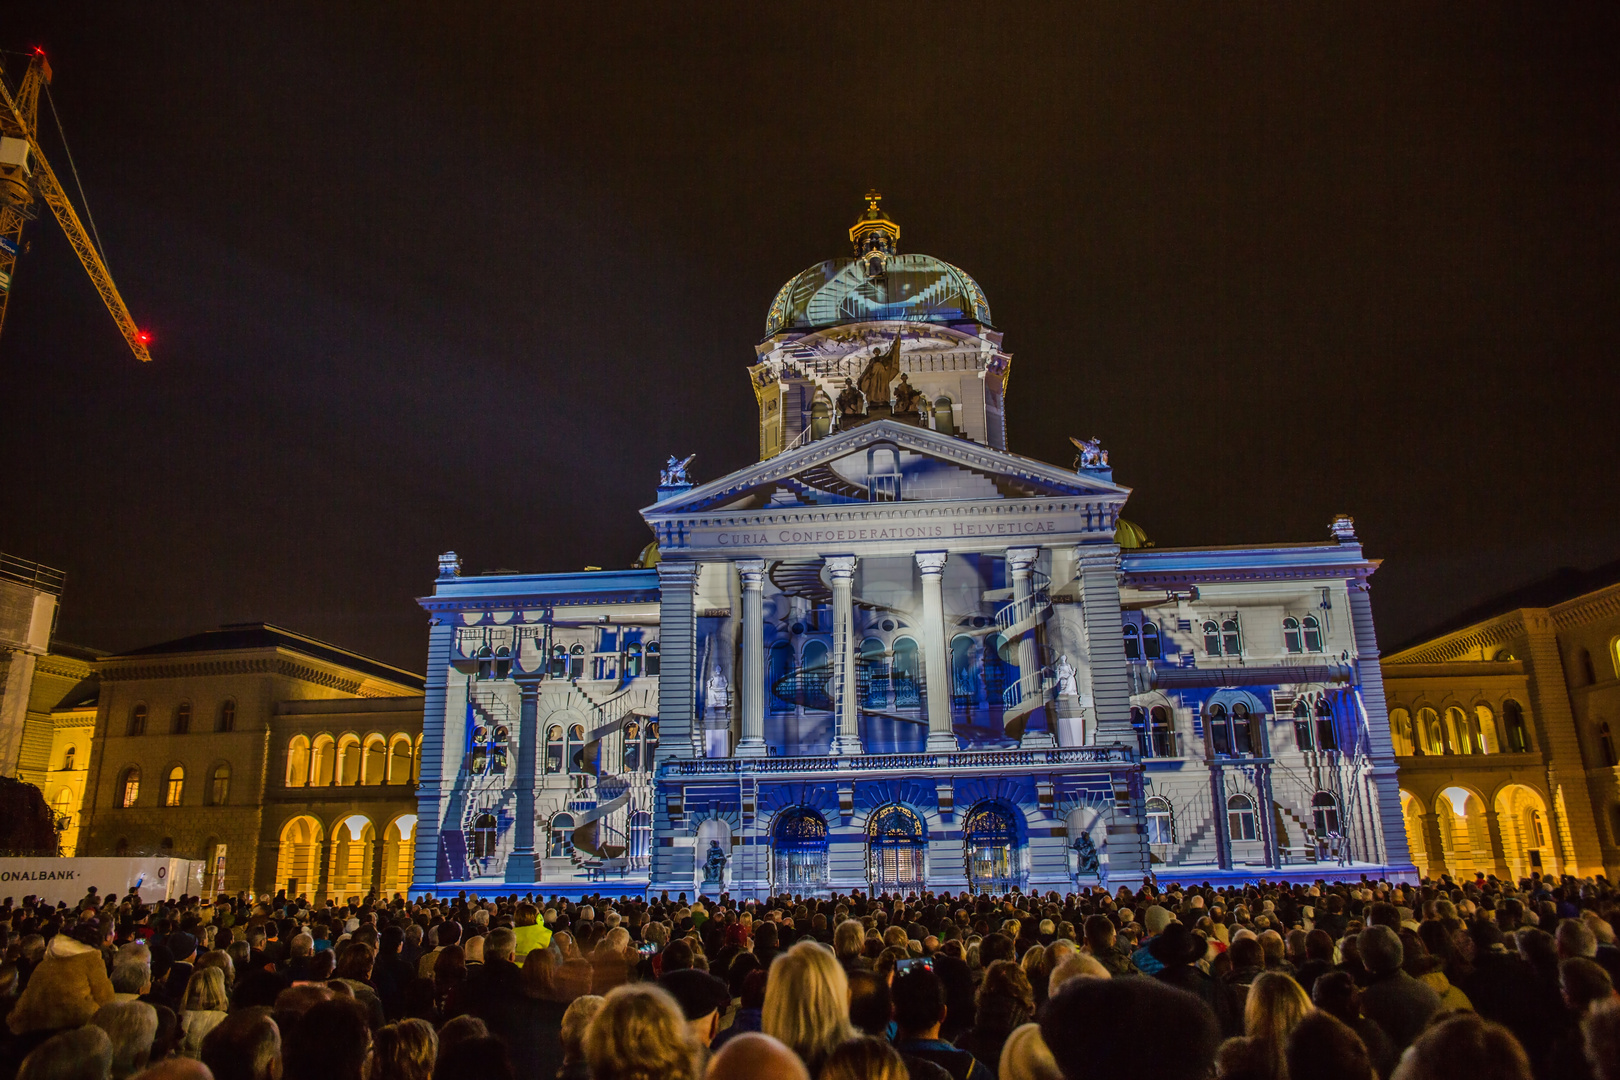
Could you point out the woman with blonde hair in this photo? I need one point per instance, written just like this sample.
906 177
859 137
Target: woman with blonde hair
403 1051
865 1058
202 1008
1025 1056
1275 1007
640 1034
807 1003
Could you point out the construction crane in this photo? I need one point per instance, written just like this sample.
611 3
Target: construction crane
25 174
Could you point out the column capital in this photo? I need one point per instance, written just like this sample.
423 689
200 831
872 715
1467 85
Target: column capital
1021 560
931 563
678 573
1097 555
752 572
840 566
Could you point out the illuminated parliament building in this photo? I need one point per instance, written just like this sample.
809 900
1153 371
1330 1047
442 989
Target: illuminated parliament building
895 655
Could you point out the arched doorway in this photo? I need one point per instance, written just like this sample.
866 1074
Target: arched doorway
1527 842
897 849
1462 832
992 848
354 839
298 862
399 854
798 851
1416 842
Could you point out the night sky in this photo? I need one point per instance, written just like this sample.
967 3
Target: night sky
428 276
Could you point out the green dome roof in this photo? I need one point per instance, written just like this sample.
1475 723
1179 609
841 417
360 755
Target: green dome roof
909 288
1129 535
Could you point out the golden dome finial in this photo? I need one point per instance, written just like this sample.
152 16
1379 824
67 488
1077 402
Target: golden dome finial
874 229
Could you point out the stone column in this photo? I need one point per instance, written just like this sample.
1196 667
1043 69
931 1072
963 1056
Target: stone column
752 743
1097 572
841 569
1435 845
323 879
1493 833
937 674
433 812
1217 802
521 863
1020 564
677 705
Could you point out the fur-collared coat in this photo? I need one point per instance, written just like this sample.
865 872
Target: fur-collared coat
66 989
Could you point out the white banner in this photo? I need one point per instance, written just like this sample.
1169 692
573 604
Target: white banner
68 880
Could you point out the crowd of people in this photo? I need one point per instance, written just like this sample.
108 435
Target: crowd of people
1357 980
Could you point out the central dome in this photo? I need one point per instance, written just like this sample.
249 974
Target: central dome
910 288
878 285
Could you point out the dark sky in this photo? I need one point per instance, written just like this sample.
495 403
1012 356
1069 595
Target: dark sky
426 275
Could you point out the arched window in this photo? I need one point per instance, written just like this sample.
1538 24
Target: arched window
1163 733
652 658
1538 829
1139 722
297 761
1242 741
486 662
1212 638
478 754
182 718
1302 726
67 759
1151 648
130 787
1240 817
484 834
374 761
632 747
137 720
883 473
503 662
650 744
872 674
1431 733
498 746
944 416
399 761
1161 822
559 662
992 850
561 845
175 786
1325 813
576 748
1313 634
632 660
1327 736
907 674
798 850
1518 735
219 785
227 716
554 748
820 417
1291 639
640 840
964 678
1220 736
1606 745
777 669
1133 642
576 661
1457 728
1400 729
1230 730
897 844
1231 638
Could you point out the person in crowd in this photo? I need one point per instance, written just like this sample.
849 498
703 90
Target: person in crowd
67 987
203 1008
405 1050
1583 984
460 1029
483 1057
919 1010
1006 1002
756 1056
82 1053
1274 1007
1601 1037
1464 1046
1323 1047
1135 1039
750 1013
702 999
1337 994
1025 1055
246 1045
807 1003
331 1041
1175 954
864 1058
1102 944
130 1026
1396 1002
849 939
575 1019
640 1034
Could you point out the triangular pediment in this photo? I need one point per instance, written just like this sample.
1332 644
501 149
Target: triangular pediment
887 461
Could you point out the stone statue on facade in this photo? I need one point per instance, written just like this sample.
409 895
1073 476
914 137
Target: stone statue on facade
674 473
1064 674
714 866
906 398
717 692
850 402
1087 863
880 372
1091 456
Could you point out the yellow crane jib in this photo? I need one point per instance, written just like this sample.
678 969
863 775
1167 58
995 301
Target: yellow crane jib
25 172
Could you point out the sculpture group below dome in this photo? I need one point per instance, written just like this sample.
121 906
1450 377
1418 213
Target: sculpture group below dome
910 288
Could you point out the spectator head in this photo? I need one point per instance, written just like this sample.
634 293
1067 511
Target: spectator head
1464 1045
500 944
459 1030
473 949
756 1056
131 976
678 955
205 991
130 1026
848 940
1323 1047
482 1057
1584 983
1025 1056
79 1054
807 1002
1178 946
246 1045
1336 992
449 933
1274 946
870 1007
357 961
575 1019
1076 967
403 1051
865 1058
330 1042
1319 945
1247 952
1601 1032
702 998
1156 918
640 1034
221 959
1574 938
177 1068
1005 998
997 947
1133 1041
1100 933
1275 1006
1380 950
919 999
